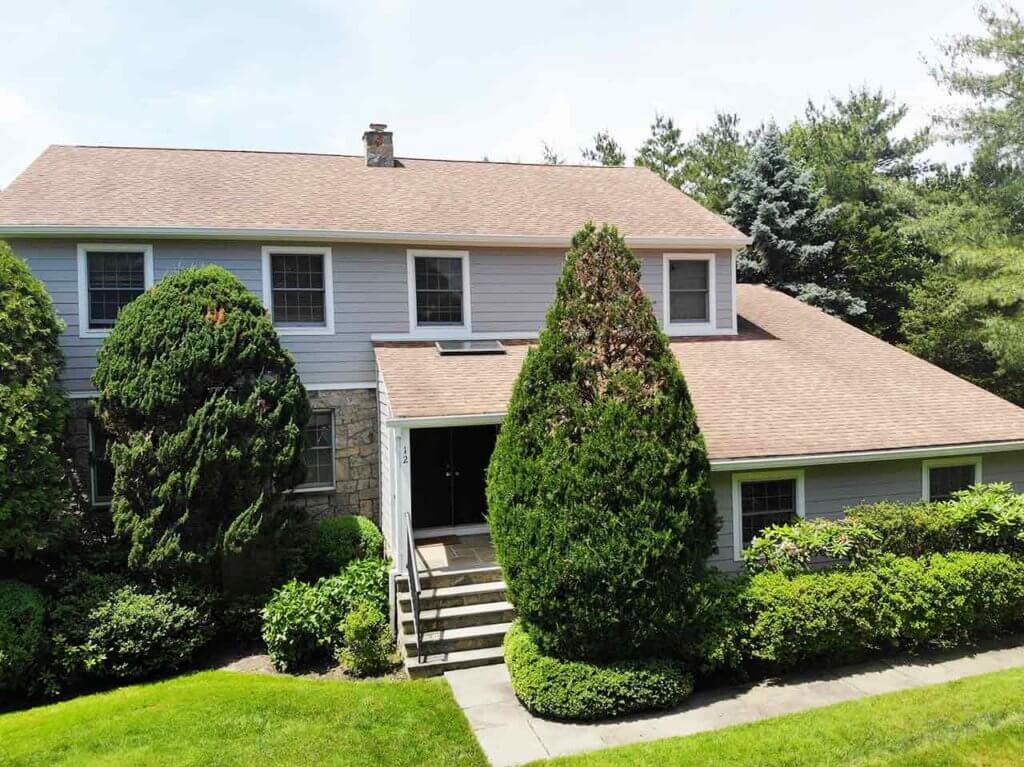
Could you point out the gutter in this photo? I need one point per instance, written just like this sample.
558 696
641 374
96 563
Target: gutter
354 235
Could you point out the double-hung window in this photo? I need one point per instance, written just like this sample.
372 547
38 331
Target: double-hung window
941 477
438 289
763 499
110 277
101 470
689 294
318 452
298 289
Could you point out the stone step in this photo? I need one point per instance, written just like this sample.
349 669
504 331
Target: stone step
454 640
455 596
437 580
435 665
459 616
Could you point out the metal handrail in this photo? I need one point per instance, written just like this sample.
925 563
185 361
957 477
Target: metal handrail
412 572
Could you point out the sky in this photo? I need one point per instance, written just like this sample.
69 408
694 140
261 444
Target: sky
453 80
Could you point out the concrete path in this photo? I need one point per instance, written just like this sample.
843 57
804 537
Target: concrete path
510 735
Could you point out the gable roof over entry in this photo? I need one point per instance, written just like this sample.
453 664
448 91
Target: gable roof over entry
183 192
793 382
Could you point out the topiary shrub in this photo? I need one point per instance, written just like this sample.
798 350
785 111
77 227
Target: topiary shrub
367 641
21 635
336 541
206 412
34 492
135 635
580 691
598 495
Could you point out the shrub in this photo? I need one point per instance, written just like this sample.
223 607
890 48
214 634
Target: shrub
336 541
367 641
908 529
578 690
34 493
598 494
795 547
893 603
135 635
21 634
206 412
302 622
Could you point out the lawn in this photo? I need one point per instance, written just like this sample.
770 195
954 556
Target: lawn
224 718
974 721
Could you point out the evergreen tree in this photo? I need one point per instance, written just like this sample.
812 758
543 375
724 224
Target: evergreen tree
774 202
205 411
711 162
606 151
551 155
662 152
598 490
34 491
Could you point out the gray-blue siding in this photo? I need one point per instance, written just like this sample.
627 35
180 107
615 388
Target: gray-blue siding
510 293
830 489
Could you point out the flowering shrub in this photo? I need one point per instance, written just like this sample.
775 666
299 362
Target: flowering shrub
794 548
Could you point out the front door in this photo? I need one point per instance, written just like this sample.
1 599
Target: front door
449 475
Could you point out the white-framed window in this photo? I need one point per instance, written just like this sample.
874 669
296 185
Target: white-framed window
941 477
298 289
761 499
688 298
110 276
438 291
318 452
101 470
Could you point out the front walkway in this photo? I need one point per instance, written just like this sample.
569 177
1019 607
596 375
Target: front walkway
510 735
454 553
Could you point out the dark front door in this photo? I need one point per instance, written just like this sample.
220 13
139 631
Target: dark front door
449 475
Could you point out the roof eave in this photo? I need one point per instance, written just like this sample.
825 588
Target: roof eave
348 235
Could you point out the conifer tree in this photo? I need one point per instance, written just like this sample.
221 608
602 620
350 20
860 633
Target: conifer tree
598 489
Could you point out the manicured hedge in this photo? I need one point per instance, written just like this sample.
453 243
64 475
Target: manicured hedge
578 690
21 634
336 541
894 603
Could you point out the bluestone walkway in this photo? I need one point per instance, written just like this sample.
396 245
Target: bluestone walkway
510 735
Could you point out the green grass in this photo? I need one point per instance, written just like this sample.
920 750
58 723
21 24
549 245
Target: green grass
974 721
224 718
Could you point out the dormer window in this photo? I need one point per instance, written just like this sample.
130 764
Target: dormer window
689 292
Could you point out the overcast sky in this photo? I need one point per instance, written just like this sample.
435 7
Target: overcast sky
454 80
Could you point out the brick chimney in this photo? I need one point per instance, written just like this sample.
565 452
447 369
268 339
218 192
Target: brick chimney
380 149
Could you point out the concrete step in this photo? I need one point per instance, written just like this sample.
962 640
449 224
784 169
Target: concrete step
438 580
435 665
457 639
455 596
434 619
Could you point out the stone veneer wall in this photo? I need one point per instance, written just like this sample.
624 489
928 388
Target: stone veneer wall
356 460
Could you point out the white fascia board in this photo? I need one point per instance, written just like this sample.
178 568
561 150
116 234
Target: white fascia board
356 235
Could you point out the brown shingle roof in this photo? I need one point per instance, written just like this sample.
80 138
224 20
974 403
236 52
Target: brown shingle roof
795 381
220 190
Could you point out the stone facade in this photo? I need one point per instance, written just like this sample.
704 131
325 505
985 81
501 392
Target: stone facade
356 459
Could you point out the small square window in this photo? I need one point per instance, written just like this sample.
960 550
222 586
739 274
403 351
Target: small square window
318 451
101 470
766 503
439 290
943 481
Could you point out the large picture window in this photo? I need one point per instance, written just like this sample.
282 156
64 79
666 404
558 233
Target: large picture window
110 277
761 500
297 289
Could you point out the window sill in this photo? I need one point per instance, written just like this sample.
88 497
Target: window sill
301 331
697 329
309 490
94 332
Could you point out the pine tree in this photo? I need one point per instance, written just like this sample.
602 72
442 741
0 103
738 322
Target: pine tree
712 161
775 203
606 151
205 411
662 152
598 489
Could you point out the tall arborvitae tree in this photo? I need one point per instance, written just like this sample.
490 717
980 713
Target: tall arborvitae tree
205 411
775 203
598 490
34 489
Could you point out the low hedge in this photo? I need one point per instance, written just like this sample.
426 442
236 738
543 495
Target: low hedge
21 634
894 603
579 691
337 541
982 518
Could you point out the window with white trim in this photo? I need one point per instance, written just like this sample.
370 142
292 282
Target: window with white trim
764 499
101 470
318 451
439 288
944 476
298 290
110 276
689 292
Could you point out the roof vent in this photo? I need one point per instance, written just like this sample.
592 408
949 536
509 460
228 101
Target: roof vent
380 148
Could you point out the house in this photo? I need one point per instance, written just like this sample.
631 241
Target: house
410 290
